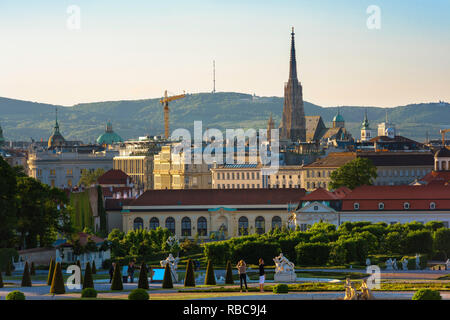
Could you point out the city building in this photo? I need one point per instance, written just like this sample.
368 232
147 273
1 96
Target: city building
388 204
237 176
225 213
286 177
109 137
366 132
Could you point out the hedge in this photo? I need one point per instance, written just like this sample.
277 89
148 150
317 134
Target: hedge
252 251
89 293
57 286
117 283
218 252
210 278
189 278
26 278
88 280
229 274
138 294
167 280
143 277
6 256
15 295
281 288
312 253
427 294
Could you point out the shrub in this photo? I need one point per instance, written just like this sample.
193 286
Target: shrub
189 278
6 255
94 268
253 250
57 286
89 293
117 283
32 269
281 288
167 280
312 253
15 295
88 281
138 294
419 241
442 242
51 270
26 278
9 267
210 278
217 252
143 277
229 274
427 294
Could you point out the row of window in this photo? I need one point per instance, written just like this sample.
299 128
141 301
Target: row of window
69 172
202 225
406 206
237 175
314 185
318 174
238 186
284 177
403 172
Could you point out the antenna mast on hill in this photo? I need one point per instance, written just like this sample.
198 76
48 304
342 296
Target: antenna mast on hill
214 76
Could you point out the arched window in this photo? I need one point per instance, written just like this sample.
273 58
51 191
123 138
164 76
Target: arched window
243 226
260 225
276 222
170 224
381 206
154 223
432 205
406 205
202 226
356 206
186 227
138 224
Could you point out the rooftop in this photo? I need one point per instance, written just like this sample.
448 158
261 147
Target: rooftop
114 177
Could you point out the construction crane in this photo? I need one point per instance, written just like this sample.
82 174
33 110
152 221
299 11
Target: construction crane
165 102
443 132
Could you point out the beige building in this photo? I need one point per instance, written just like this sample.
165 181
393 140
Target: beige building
139 168
237 176
224 213
285 177
176 171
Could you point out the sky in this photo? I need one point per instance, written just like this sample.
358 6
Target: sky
136 49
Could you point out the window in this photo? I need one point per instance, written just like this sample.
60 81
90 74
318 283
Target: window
202 226
138 224
381 206
154 223
356 206
69 183
186 227
260 225
316 208
432 205
52 172
69 172
276 222
170 224
406 205
243 226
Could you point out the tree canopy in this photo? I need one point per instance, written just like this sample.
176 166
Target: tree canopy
355 173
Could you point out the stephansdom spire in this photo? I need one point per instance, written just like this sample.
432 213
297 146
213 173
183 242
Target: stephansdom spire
293 62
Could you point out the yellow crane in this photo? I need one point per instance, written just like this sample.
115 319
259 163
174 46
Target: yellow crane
165 102
443 132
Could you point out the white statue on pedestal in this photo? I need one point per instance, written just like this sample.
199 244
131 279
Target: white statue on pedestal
389 264
173 264
394 264
405 265
417 261
284 269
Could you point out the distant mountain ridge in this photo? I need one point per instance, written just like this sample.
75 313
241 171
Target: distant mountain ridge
22 120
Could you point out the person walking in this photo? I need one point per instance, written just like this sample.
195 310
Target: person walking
111 271
262 275
130 271
242 270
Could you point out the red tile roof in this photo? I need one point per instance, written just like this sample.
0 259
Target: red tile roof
117 204
320 195
113 177
443 176
218 197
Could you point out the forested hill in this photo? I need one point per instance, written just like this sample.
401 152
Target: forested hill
22 120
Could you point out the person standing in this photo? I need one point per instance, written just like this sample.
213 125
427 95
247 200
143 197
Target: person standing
262 275
111 271
242 270
131 271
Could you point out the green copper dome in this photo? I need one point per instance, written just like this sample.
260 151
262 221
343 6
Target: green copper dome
338 117
109 137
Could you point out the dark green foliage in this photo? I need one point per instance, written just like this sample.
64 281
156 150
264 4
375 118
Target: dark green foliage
117 283
89 293
442 242
419 241
57 286
210 278
101 212
316 254
1 280
26 278
358 172
32 269
281 288
229 274
143 277
167 280
8 208
218 252
138 294
348 250
51 270
88 280
189 278
94 269
253 250
15 295
6 256
8 271
427 294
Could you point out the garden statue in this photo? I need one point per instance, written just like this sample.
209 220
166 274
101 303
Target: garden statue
417 261
367 262
284 269
394 264
405 265
365 294
447 264
350 292
389 264
173 264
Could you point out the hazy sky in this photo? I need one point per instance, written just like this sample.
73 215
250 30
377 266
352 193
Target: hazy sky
136 49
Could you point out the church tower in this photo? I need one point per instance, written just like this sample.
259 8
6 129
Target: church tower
293 123
366 132
270 126
56 139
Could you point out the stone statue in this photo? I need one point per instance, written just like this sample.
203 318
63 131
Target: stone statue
350 292
394 264
173 264
417 261
284 269
365 294
367 262
447 264
405 265
389 264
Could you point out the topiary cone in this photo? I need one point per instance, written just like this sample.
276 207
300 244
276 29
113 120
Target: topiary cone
143 278
88 281
210 278
189 279
57 286
117 283
229 274
26 278
94 269
167 280
8 271
51 270
32 269
81 271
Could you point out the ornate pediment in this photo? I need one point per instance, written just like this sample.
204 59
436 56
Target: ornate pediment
315 207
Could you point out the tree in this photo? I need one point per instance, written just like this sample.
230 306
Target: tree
355 173
8 205
57 286
143 277
420 241
189 278
8 271
210 278
51 270
442 241
229 274
89 178
167 280
117 283
88 281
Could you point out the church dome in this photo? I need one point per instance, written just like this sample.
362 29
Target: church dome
338 118
56 139
109 136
